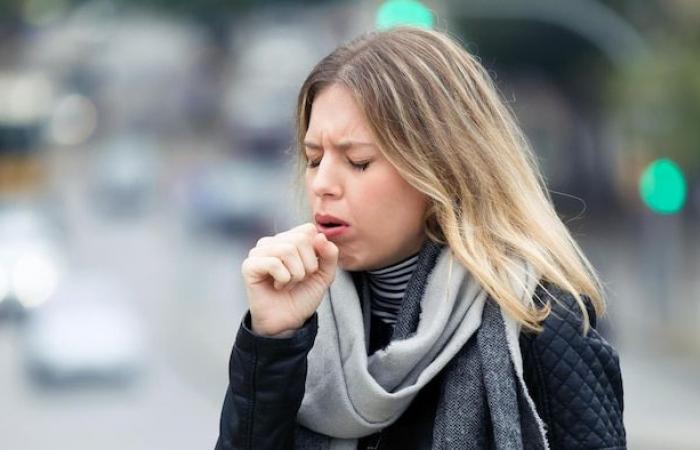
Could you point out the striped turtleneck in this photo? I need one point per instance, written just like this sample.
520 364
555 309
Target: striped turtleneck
387 287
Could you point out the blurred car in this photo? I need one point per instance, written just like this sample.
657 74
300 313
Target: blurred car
31 258
124 176
87 333
239 198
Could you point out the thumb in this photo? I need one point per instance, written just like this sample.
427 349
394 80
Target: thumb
327 254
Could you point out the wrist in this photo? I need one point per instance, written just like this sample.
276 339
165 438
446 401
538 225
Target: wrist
271 333
281 334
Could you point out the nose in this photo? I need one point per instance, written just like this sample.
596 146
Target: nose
326 180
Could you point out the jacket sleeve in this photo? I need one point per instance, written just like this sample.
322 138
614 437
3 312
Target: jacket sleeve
267 379
574 379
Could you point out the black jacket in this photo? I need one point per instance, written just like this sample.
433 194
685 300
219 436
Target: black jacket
574 380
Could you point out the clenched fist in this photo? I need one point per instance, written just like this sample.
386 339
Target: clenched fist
286 276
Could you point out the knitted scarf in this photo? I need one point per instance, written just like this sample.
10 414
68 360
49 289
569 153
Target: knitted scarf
447 323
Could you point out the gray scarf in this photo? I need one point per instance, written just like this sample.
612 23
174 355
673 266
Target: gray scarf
447 322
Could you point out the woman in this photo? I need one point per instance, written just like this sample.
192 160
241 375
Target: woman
436 300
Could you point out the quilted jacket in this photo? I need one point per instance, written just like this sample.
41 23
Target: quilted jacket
574 380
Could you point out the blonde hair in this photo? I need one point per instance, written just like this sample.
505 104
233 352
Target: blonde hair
439 119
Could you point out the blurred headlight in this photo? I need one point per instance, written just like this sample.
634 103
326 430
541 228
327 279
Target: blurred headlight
34 279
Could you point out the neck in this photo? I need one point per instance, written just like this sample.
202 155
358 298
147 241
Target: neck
387 287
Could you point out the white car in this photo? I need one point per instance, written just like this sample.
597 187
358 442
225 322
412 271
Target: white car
87 332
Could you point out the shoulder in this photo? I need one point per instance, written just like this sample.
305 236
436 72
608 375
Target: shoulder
574 379
564 305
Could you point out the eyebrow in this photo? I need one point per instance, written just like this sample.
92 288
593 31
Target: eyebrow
345 145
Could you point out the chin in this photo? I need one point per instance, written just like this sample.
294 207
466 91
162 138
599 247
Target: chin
350 264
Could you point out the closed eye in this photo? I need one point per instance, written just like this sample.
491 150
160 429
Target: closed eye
361 166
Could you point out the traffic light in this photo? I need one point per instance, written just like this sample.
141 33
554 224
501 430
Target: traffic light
662 186
393 13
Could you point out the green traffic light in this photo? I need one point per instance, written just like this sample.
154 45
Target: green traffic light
663 187
394 13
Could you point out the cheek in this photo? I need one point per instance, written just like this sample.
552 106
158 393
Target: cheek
410 212
369 200
389 204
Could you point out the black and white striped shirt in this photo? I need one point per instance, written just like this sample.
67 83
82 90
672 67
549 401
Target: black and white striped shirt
387 287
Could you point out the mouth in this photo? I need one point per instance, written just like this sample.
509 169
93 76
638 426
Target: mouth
330 226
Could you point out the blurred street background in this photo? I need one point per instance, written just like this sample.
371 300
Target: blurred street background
145 147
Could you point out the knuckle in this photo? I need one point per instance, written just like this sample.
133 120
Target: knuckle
302 239
312 260
277 263
285 275
299 271
263 241
288 249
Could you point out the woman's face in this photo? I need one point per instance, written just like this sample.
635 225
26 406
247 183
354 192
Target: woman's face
348 178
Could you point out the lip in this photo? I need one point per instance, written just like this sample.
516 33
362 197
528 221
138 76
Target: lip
325 218
330 232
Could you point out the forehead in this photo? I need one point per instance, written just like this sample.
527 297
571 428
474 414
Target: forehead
336 115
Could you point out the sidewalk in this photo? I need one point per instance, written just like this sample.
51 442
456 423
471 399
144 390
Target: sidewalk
662 402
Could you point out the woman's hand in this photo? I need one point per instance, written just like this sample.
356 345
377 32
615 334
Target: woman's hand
286 276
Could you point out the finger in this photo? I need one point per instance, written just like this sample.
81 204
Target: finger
304 245
264 241
307 229
259 268
288 253
302 236
328 254
308 256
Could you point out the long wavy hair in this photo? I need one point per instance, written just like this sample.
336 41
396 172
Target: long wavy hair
439 119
